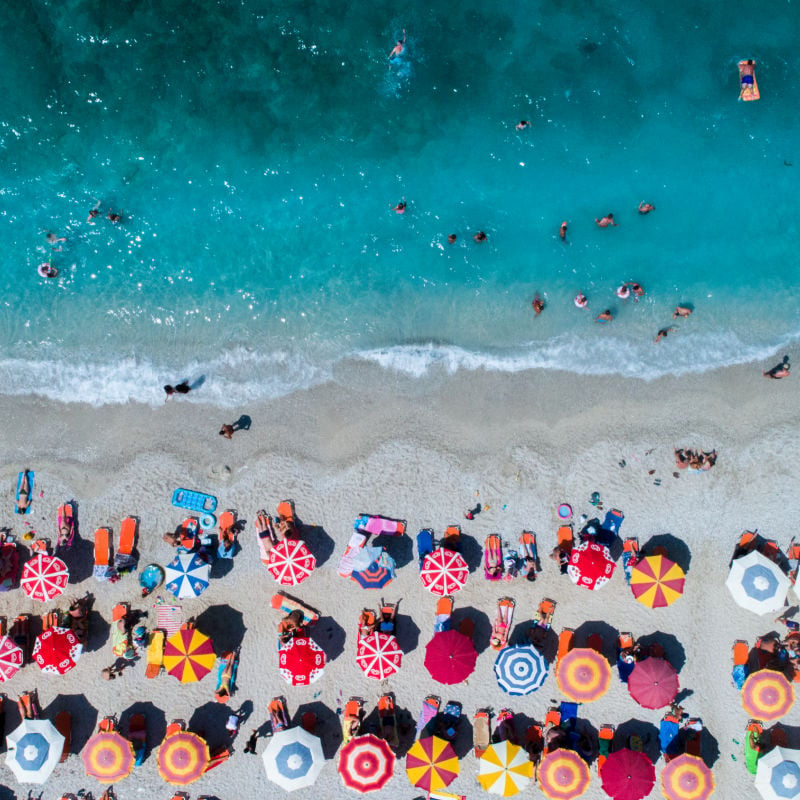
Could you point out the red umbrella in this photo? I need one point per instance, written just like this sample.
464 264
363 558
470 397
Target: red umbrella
653 683
590 565
450 657
301 661
57 650
628 775
44 577
366 763
291 562
10 658
379 655
444 571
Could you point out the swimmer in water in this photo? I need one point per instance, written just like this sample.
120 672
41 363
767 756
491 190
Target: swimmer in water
623 292
479 237
580 300
400 208
47 270
114 217
636 289
605 221
606 316
663 333
562 231
681 311
646 208
398 49
94 211
538 305
522 124
451 239
54 240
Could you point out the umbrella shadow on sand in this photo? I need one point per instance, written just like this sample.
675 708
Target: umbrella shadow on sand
155 721
673 649
646 731
407 633
99 631
319 542
224 625
677 550
208 721
330 636
609 635
483 625
328 726
709 746
400 548
83 717
472 552
79 559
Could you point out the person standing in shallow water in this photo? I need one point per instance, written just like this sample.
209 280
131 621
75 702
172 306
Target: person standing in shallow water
182 388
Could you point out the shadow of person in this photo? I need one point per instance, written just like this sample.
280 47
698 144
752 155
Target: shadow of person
243 423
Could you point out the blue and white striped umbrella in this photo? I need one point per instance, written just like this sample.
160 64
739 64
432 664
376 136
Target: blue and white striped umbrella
778 775
757 584
187 575
34 749
293 759
521 669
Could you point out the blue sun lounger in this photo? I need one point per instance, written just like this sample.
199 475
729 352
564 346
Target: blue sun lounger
424 544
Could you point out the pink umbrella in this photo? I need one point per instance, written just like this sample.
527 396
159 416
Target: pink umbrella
653 683
379 655
291 562
444 571
10 658
57 651
44 577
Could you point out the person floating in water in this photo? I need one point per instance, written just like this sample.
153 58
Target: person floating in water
606 316
399 48
400 208
747 70
623 292
94 211
538 305
580 300
522 124
605 221
637 290
451 238
663 333
779 370
114 217
54 240
646 208
681 311
562 231
479 237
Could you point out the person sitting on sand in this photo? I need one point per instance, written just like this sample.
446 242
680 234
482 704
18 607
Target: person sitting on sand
681 311
538 305
605 316
663 333
646 208
605 221
172 538
291 625
561 557
779 370
681 460
397 50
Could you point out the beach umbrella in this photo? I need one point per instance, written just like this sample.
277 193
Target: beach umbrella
182 758
379 655
504 769
377 574
293 758
44 577
301 661
34 749
450 657
444 571
583 675
11 658
563 774
656 581
431 764
366 763
291 562
757 583
767 694
57 651
590 565
187 575
108 756
521 669
188 655
653 683
628 775
686 777
778 774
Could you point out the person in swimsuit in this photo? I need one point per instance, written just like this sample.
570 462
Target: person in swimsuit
580 300
479 237
521 125
538 305
24 492
646 208
400 208
779 370
623 292
114 217
398 49
748 77
663 333
451 238
637 290
606 316
681 311
605 221
562 231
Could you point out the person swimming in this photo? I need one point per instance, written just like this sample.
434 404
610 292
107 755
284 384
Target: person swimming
623 292
580 300
522 124
605 221
400 208
663 333
646 208
538 305
606 316
479 237
398 49
562 231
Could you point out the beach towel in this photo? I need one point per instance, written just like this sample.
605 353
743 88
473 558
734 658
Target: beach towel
613 520
31 475
365 556
357 541
377 525
668 737
169 618
430 708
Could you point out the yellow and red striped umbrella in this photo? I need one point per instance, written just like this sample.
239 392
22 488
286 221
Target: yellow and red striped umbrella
583 675
563 774
108 756
657 582
767 694
687 778
182 758
189 655
432 764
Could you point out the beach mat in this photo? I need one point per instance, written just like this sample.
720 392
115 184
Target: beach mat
20 478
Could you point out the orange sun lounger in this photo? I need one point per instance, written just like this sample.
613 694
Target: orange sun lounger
565 639
123 558
566 538
102 554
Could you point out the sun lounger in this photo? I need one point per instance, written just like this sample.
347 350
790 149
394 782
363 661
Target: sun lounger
367 622
63 723
267 538
24 497
352 718
467 627
493 558
451 540
529 555
388 719
278 716
286 604
52 619
21 635
65 517
444 609
771 550
630 555
741 656
226 677
137 733
155 654
753 745
438 794
427 714
626 659
501 629
189 535
668 731
449 720
605 738
595 642
387 622
376 525
613 521
218 756
346 563
747 542
504 730
124 560
542 622
9 563
534 743
793 554
481 731
424 545
227 534
565 639
102 554
565 538
693 736
287 520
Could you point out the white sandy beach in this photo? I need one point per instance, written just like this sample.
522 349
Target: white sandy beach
419 451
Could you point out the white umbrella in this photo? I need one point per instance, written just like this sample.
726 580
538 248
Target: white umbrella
293 758
34 749
778 775
187 575
757 584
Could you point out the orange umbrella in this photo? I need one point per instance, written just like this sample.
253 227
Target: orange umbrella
189 655
687 778
563 774
767 694
182 758
583 675
108 756
656 581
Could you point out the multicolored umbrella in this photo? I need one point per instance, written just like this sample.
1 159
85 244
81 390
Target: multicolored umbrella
108 756
686 778
34 749
444 571
379 655
778 774
767 694
291 562
377 574
182 758
44 577
757 583
521 669
450 657
590 565
656 581
653 683
293 758
628 775
11 658
583 675
563 774
189 655
301 661
504 769
366 763
57 651
431 764
187 575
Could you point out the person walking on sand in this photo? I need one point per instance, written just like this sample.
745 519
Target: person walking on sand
227 431
398 49
605 221
646 208
250 747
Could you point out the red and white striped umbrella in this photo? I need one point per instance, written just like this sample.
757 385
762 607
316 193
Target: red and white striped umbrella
379 655
291 562
444 571
366 764
44 577
57 651
10 658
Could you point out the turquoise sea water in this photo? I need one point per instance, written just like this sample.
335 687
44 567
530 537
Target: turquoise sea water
255 151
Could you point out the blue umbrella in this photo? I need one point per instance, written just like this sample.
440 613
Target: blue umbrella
187 575
34 749
293 758
521 669
377 574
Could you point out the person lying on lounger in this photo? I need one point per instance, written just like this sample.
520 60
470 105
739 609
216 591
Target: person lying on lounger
291 625
24 493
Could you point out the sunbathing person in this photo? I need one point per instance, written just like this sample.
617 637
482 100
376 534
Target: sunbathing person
172 538
779 370
291 625
24 499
